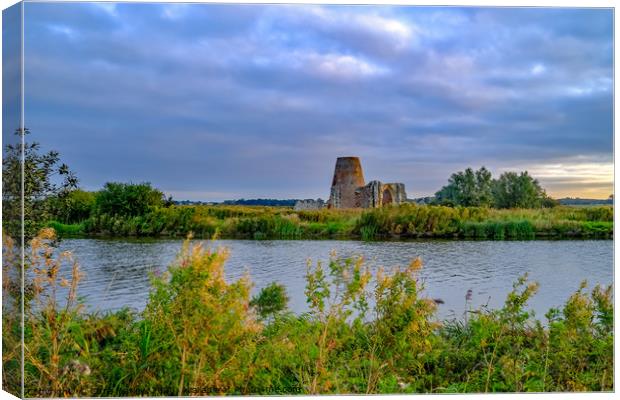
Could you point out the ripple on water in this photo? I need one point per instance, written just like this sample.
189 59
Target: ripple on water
116 271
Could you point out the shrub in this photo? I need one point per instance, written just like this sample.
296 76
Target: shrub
401 335
127 199
201 327
72 207
270 301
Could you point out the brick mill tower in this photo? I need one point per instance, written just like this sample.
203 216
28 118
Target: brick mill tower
350 191
348 177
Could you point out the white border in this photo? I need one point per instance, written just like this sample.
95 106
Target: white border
479 3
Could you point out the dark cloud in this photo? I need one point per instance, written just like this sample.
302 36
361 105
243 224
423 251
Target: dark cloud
221 101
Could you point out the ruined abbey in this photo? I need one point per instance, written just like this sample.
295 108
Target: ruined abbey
350 191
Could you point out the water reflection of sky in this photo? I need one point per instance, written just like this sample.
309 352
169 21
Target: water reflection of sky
117 272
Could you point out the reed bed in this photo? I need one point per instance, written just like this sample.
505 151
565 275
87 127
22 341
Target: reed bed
407 221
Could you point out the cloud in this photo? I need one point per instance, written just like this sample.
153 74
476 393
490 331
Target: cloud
63 30
174 11
258 100
357 27
338 65
109 8
538 69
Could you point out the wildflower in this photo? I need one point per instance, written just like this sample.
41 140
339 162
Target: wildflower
415 265
469 295
47 234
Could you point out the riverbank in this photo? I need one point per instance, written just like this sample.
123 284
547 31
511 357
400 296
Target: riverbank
408 221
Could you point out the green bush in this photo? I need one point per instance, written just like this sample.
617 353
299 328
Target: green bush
208 344
270 301
127 199
72 207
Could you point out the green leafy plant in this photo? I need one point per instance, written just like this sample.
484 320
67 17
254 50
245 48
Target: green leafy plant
271 300
202 326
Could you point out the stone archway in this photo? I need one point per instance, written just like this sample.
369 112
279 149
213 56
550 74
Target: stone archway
387 197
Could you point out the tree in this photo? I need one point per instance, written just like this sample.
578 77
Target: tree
484 187
467 188
514 190
44 177
127 199
76 206
479 189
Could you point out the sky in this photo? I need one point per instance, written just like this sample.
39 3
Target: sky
215 102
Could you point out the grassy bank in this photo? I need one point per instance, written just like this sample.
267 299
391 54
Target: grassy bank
401 222
202 335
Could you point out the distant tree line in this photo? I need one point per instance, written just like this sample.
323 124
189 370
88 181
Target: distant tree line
261 202
471 188
569 201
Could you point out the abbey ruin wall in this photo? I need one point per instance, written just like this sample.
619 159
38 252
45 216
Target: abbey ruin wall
349 190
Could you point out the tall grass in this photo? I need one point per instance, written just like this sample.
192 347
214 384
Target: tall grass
498 230
412 221
200 335
52 355
398 222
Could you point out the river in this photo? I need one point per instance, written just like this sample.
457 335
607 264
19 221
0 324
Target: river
116 271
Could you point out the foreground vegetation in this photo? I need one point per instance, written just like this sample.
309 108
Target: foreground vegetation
200 334
406 221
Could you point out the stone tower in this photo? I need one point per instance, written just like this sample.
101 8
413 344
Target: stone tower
349 190
348 177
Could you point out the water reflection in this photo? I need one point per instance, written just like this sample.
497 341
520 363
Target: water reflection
117 271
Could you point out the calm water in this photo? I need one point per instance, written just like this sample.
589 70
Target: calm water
116 272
